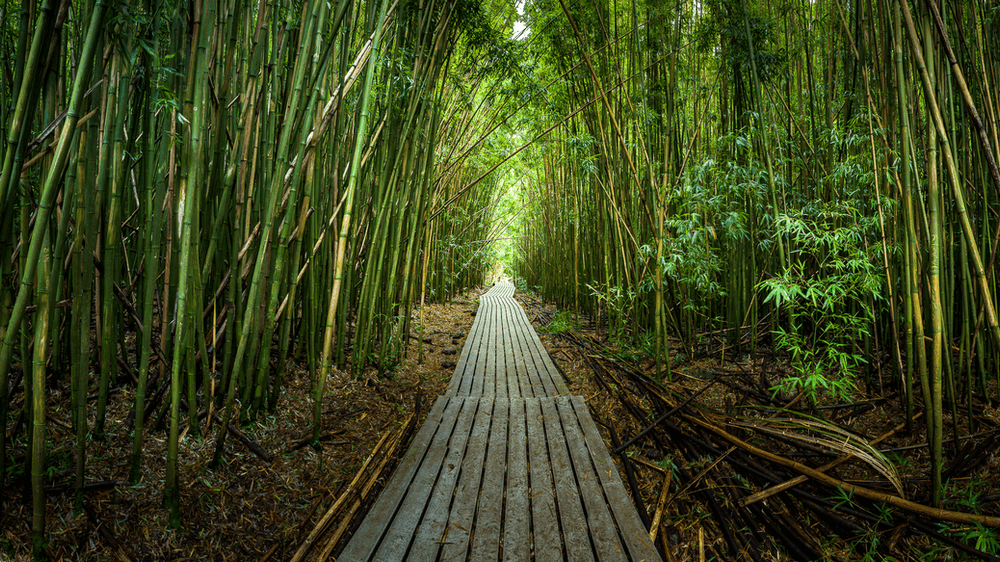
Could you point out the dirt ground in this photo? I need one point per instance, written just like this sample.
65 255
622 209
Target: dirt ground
973 482
247 509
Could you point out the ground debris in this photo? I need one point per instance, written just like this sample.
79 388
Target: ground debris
715 497
246 509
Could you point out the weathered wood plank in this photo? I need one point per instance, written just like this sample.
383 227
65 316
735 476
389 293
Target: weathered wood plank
486 542
536 351
510 361
516 531
463 507
467 365
571 517
550 368
602 525
635 535
526 373
487 385
400 534
427 541
555 378
369 534
499 355
547 542
551 378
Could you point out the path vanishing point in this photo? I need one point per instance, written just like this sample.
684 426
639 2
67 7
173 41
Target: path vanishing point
507 466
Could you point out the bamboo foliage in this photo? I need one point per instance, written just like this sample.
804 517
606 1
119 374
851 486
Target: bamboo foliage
193 178
771 174
216 170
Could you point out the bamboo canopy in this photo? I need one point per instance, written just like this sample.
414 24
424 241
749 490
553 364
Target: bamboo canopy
194 195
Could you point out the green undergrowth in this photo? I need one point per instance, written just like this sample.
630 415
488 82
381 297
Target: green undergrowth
564 321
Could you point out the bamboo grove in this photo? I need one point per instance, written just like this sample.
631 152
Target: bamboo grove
818 176
194 193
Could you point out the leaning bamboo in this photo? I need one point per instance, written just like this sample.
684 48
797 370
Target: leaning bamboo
338 265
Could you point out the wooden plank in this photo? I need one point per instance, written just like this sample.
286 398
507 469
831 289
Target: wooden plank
370 533
544 524
571 517
397 539
499 353
490 378
530 336
475 387
467 365
490 371
550 367
501 290
463 507
516 532
510 361
634 534
602 525
427 541
494 291
531 375
536 351
547 368
486 539
465 369
523 380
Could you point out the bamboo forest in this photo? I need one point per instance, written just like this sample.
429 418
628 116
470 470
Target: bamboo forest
243 244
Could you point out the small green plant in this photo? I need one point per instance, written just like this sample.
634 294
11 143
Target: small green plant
971 499
841 497
562 322
617 301
983 538
898 459
869 544
827 289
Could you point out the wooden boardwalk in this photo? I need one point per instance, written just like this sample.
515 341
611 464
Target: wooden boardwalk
506 467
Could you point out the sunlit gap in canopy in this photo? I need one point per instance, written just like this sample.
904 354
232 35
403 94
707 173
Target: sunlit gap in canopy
521 29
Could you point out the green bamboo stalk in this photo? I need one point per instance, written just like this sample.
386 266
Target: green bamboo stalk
46 200
43 316
26 92
361 134
110 172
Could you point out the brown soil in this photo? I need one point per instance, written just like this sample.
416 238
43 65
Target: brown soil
247 509
692 531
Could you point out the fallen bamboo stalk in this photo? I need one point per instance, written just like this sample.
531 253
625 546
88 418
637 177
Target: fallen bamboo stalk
648 464
307 440
768 492
700 475
866 493
108 537
324 522
247 442
269 553
662 418
345 523
661 504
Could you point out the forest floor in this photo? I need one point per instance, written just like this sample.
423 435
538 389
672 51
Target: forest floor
703 515
249 509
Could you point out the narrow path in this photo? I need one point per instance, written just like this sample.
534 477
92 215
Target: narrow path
507 466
